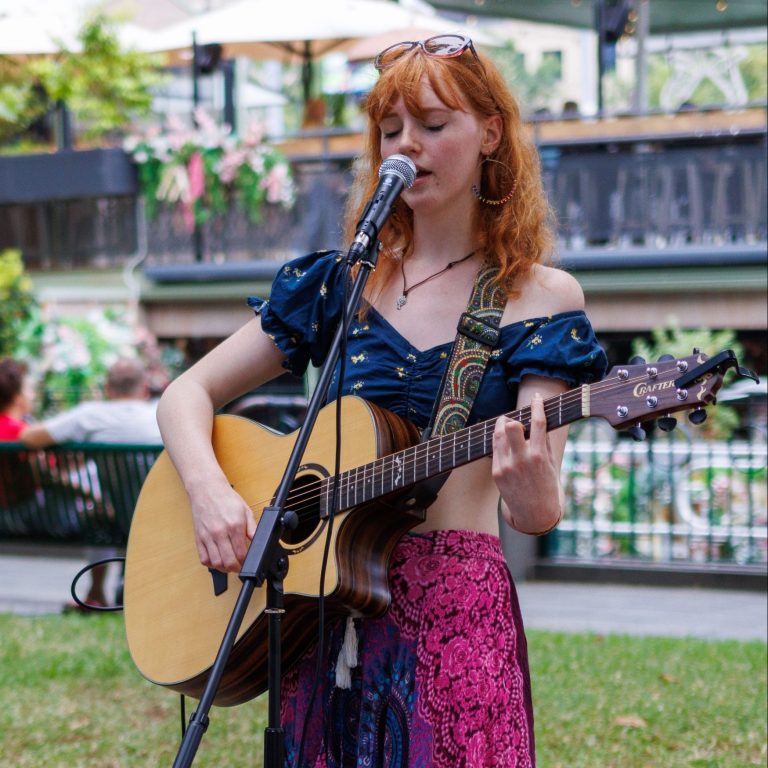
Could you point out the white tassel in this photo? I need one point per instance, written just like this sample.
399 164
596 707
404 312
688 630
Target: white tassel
347 656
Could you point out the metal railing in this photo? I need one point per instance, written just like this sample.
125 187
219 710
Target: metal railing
647 194
675 498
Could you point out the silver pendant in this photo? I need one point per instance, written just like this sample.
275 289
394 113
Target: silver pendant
401 301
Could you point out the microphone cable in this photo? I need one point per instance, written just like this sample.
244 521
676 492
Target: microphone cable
332 509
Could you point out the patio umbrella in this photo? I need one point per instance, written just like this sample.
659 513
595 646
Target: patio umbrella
289 30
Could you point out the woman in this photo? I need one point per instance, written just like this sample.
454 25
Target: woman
442 679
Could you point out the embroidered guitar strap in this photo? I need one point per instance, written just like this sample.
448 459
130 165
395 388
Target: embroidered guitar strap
478 335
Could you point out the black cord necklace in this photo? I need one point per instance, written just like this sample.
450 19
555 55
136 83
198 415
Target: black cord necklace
402 299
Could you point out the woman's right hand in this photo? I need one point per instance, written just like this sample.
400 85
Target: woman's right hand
223 522
224 525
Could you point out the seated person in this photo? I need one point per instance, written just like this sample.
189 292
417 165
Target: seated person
127 415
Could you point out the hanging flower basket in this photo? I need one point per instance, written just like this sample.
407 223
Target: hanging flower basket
206 170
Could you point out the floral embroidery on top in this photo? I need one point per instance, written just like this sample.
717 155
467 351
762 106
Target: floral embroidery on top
395 374
534 341
358 358
575 335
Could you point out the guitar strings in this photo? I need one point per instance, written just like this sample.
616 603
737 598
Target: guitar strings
309 495
311 491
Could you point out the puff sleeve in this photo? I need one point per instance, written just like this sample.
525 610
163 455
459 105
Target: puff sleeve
304 307
562 347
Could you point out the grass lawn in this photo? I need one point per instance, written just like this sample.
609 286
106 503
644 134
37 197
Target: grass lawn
72 698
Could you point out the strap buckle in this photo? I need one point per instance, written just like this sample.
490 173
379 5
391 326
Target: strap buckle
479 330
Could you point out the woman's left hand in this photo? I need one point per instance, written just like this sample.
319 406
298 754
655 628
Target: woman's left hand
527 471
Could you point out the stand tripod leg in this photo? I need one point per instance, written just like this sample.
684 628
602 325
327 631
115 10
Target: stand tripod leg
274 736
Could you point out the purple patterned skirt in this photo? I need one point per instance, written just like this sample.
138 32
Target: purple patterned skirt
442 679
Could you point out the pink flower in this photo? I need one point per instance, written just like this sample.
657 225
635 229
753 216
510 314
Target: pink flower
254 134
230 164
196 176
275 183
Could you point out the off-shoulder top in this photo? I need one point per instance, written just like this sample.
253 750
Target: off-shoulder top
305 306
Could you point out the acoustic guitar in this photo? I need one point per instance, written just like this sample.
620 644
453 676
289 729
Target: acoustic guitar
176 610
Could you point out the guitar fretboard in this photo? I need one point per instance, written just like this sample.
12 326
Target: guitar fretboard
437 455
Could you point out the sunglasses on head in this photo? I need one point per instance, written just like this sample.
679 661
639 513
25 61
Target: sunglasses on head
437 47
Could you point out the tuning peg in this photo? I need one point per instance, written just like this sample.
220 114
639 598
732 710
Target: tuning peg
637 360
697 416
667 423
637 433
664 358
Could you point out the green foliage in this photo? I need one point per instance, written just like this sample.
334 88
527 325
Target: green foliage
103 84
680 342
533 88
17 304
68 356
753 68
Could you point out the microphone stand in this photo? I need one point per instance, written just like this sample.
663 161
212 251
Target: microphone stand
267 561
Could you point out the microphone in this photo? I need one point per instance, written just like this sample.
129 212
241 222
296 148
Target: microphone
395 173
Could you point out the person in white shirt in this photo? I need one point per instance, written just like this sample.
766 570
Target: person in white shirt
127 415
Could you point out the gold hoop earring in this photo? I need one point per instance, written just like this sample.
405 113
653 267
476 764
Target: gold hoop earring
487 201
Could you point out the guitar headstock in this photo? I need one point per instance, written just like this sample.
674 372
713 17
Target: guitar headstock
634 393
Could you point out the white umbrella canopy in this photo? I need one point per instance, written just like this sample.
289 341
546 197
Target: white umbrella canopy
45 31
282 30
288 30
29 34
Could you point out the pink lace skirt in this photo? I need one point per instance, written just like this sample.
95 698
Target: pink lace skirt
441 680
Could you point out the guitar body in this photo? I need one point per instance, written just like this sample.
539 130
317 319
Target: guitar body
175 620
177 611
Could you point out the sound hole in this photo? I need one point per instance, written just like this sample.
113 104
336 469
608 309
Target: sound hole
304 500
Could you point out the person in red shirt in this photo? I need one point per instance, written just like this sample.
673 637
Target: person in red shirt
15 399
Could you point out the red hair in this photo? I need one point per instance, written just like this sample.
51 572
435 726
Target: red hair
514 236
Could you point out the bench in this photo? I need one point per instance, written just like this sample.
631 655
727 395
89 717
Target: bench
75 494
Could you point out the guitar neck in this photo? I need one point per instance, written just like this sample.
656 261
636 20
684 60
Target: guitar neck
443 453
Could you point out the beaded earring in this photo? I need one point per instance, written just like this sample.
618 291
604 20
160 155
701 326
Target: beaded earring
487 201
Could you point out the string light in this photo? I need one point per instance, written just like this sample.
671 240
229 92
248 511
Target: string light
721 5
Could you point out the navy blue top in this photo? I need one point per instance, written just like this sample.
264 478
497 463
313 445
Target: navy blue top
304 309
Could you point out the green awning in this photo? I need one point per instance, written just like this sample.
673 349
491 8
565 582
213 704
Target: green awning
666 16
